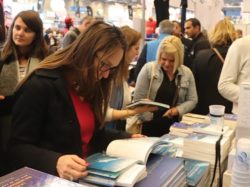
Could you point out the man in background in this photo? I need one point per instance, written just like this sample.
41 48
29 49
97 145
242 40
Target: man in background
148 53
199 41
72 34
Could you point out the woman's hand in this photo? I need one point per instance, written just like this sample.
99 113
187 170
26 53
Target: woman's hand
171 113
71 167
2 97
145 108
138 136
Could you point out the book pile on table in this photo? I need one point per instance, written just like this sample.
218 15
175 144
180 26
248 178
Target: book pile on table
164 171
176 140
202 147
230 120
198 173
124 162
184 129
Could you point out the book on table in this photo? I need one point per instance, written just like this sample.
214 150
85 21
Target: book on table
180 127
197 172
164 171
147 102
30 177
202 146
124 162
230 120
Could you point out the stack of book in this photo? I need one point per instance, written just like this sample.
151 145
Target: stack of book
198 173
230 120
202 147
164 171
176 140
184 129
124 162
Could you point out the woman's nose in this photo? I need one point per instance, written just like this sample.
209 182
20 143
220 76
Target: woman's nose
105 74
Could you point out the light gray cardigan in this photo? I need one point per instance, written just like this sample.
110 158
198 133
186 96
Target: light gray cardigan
9 76
187 95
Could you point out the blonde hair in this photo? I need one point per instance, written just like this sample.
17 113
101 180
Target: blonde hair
172 45
223 34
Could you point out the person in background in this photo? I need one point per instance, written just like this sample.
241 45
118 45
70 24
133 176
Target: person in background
72 34
121 94
167 81
235 71
199 41
208 65
24 48
68 21
150 27
148 52
58 118
239 33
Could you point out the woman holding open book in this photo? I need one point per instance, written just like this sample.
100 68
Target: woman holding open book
167 81
59 115
121 93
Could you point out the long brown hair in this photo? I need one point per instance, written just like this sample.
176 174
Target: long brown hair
80 56
132 37
38 47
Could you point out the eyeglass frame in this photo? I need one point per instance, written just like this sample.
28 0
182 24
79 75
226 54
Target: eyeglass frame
104 64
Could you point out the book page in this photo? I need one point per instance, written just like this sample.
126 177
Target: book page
147 102
136 148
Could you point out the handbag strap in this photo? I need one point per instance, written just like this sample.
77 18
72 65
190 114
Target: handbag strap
218 54
176 96
151 80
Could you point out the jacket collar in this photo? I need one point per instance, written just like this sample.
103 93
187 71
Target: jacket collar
59 82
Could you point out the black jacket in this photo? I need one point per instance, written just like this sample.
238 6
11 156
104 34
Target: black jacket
45 125
207 69
197 44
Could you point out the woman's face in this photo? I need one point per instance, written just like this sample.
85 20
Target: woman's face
22 36
105 64
133 51
167 62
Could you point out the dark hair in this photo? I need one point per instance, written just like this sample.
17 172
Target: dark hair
195 22
38 47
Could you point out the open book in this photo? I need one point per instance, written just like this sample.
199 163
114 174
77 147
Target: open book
147 102
124 162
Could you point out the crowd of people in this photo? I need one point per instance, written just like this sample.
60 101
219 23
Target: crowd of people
59 105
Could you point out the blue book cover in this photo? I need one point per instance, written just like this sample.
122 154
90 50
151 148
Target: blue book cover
111 164
195 171
160 169
26 177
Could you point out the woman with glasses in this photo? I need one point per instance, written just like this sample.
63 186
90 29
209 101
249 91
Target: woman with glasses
121 93
59 115
168 81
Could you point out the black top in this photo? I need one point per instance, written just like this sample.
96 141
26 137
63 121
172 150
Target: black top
207 69
160 125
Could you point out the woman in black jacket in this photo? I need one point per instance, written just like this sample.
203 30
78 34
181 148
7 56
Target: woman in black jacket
208 65
59 114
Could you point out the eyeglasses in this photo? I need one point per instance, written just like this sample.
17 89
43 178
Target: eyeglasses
104 66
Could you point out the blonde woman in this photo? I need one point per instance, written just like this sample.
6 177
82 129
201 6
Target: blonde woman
167 81
208 65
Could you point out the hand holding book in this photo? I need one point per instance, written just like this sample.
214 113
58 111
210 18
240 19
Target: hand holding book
171 113
147 102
